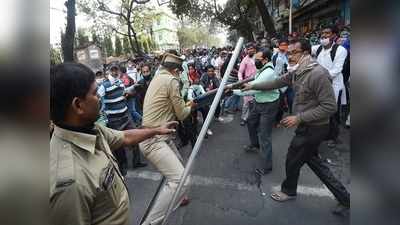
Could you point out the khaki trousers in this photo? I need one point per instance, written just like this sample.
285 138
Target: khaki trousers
163 154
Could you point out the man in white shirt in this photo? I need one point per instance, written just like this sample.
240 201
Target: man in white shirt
332 56
132 71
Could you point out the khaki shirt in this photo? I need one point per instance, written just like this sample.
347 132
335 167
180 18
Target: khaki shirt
163 101
86 186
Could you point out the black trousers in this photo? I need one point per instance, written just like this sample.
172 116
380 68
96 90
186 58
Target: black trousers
334 121
304 150
124 123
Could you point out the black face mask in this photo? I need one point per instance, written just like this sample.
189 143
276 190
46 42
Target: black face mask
147 78
259 64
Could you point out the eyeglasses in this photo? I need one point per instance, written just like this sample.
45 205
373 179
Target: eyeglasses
293 52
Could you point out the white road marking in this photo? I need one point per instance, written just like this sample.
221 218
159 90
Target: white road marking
229 184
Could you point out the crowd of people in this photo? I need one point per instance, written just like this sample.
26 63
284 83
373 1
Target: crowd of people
299 81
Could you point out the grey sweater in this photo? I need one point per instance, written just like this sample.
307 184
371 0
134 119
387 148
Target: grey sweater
314 100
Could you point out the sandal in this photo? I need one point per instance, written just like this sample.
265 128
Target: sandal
279 196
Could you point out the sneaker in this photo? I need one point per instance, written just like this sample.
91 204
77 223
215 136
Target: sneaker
250 148
331 144
209 132
219 119
243 122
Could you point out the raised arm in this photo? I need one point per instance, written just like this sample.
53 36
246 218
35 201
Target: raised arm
135 136
280 82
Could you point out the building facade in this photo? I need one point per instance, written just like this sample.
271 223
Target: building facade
308 15
164 31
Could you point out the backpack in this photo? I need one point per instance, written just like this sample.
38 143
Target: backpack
274 58
346 64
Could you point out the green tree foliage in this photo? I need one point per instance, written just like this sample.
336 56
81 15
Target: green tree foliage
238 15
81 39
126 46
132 16
108 45
55 56
199 36
118 46
96 40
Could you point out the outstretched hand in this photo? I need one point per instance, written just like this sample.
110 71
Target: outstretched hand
246 87
168 128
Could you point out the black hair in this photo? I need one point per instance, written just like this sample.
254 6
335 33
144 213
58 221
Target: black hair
210 67
266 53
67 81
305 45
99 73
283 40
122 69
146 64
333 28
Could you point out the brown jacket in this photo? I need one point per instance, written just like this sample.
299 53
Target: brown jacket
163 101
314 100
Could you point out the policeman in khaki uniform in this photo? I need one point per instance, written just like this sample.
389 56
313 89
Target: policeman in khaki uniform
86 185
163 103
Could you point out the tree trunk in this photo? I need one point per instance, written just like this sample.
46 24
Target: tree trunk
266 17
133 40
139 49
68 42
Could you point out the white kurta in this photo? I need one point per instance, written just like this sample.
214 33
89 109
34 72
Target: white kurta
334 68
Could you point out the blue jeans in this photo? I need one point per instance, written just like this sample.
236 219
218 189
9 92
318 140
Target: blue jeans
232 102
259 124
137 118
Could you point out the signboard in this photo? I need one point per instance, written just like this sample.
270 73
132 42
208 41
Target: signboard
94 54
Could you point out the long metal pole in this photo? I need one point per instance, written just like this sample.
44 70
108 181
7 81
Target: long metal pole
290 16
204 128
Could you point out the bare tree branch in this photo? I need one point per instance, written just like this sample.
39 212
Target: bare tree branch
119 32
104 8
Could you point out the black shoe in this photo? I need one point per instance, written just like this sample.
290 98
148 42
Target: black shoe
139 165
341 210
250 148
243 122
263 172
332 144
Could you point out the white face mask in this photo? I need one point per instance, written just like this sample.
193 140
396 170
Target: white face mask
99 80
292 68
324 41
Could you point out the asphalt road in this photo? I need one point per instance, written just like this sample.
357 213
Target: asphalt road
225 189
